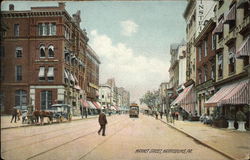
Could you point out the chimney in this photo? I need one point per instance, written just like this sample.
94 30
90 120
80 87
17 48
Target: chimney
61 5
11 7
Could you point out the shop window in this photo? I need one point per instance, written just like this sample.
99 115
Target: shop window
18 73
46 99
20 98
51 51
16 30
19 51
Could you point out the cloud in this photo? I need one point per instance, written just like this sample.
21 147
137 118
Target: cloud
133 71
128 27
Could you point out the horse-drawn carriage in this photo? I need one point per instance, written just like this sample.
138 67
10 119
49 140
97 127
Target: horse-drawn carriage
57 112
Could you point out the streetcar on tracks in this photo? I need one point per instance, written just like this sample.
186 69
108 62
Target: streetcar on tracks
134 110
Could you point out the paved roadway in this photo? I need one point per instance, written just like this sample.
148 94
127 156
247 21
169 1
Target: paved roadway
126 139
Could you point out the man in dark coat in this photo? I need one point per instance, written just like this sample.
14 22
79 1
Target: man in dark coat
14 114
102 122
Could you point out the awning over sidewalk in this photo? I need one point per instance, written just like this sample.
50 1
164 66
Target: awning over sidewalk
237 93
117 108
244 50
231 15
96 105
91 105
84 103
186 99
219 28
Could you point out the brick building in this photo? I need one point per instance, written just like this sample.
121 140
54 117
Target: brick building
205 65
46 58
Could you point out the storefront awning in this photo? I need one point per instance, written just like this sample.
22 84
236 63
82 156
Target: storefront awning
244 50
230 15
84 103
96 105
237 93
91 105
219 28
186 99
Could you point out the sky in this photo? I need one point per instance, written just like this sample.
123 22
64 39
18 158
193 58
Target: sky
132 38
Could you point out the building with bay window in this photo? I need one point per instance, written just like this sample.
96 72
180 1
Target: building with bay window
48 59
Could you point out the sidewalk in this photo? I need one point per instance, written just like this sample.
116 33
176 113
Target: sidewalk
231 143
5 121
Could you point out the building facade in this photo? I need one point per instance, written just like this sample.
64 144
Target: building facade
47 56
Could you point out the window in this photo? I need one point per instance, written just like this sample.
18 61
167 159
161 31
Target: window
212 70
46 99
41 74
2 51
205 73
19 51
51 51
18 73
16 30
200 76
213 42
232 23
42 51
206 48
220 65
21 98
50 74
199 53
231 60
46 29
220 34
102 96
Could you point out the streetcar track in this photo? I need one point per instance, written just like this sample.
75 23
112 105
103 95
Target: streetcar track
39 133
53 148
98 145
56 136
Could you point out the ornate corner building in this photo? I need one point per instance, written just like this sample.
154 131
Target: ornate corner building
46 59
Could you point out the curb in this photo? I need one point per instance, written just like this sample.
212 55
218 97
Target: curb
204 144
30 125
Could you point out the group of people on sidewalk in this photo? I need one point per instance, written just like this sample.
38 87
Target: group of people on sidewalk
16 113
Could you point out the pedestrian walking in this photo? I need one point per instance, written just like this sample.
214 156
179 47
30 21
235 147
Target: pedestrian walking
81 111
161 113
14 114
24 116
102 122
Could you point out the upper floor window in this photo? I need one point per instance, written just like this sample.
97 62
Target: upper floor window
16 30
18 73
21 98
41 73
199 53
220 65
205 48
231 59
50 74
205 73
47 29
213 42
42 51
51 51
19 51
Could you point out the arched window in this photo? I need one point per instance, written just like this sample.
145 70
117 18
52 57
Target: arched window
51 51
21 98
42 51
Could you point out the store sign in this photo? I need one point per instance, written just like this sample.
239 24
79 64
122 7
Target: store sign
200 15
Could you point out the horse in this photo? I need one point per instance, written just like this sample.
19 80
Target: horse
41 114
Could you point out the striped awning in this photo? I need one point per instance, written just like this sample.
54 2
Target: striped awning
237 93
219 28
91 105
244 50
84 103
96 105
231 15
186 99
